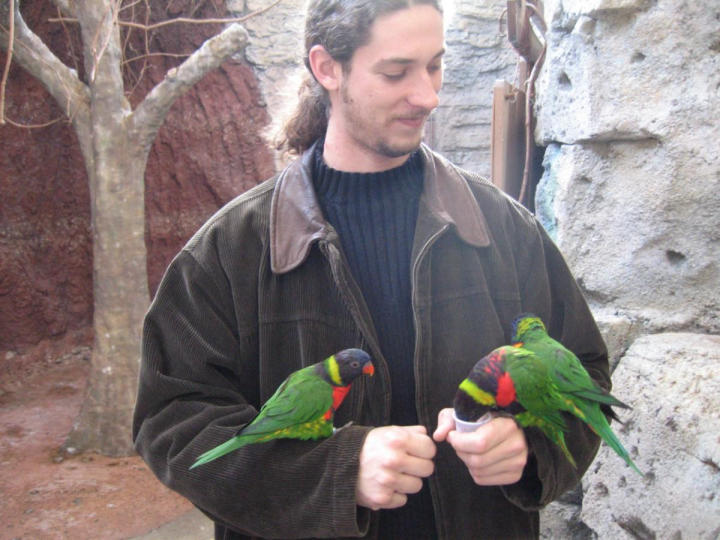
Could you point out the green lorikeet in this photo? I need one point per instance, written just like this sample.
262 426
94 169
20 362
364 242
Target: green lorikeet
512 381
517 381
589 401
303 406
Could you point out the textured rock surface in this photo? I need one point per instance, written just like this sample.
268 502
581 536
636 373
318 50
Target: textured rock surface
275 52
627 109
477 55
673 435
626 106
45 243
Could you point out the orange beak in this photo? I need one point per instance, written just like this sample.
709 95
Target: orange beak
368 369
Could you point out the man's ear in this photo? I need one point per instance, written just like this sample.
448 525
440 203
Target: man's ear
326 69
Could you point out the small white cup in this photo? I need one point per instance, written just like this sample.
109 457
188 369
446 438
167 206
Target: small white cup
464 426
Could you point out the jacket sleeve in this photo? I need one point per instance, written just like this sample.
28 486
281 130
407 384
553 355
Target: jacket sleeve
551 292
198 386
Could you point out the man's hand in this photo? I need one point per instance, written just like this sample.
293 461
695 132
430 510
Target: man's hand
495 454
393 462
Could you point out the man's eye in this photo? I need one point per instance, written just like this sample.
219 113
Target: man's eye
394 76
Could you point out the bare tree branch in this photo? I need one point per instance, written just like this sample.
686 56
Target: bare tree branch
179 20
8 60
99 51
34 126
151 112
36 58
66 6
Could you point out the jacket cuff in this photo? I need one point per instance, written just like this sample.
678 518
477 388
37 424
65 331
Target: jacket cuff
537 486
351 519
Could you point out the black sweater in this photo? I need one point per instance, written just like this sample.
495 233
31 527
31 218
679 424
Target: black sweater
374 215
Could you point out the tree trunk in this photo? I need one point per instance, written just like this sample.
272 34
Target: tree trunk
115 142
119 255
120 300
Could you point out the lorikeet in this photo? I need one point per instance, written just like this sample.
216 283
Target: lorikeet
303 406
590 402
516 381
513 382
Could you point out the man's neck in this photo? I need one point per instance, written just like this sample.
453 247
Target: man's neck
347 157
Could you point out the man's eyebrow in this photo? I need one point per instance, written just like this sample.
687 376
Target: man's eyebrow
399 60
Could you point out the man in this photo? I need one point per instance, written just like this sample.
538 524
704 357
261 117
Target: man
368 240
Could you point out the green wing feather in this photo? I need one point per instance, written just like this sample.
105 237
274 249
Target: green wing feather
303 398
539 395
295 410
567 371
582 396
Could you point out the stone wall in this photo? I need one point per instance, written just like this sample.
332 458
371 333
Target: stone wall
628 103
627 108
478 54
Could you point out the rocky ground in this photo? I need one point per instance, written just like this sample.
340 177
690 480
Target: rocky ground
48 495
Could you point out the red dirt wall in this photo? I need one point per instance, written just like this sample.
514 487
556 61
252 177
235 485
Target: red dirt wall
208 150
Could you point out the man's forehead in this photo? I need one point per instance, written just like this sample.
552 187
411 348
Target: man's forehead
402 60
414 34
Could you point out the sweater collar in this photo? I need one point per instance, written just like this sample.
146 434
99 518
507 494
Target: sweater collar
340 187
296 221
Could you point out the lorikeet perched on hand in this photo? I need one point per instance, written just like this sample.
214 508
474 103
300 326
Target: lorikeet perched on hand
590 402
518 381
514 382
303 406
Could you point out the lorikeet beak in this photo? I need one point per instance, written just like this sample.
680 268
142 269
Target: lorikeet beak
368 369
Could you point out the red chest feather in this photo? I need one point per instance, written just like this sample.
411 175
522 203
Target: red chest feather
505 390
339 393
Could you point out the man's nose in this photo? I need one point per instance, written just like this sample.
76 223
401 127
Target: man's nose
425 91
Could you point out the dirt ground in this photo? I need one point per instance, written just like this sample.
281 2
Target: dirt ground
47 495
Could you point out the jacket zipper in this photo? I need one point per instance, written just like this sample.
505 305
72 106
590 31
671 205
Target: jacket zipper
416 363
349 294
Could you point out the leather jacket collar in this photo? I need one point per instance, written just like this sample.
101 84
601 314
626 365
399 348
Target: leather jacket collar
296 220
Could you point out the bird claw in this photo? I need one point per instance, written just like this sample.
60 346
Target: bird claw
336 429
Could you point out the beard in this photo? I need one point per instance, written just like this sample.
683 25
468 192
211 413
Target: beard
376 136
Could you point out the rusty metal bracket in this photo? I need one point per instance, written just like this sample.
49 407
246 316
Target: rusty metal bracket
526 28
512 122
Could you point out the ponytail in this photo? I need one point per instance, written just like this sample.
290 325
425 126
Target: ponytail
309 121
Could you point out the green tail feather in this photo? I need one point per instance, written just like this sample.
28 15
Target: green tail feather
599 396
601 426
225 448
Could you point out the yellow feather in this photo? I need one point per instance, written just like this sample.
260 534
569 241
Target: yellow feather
334 370
477 393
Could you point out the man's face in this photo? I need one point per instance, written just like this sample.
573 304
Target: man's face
392 86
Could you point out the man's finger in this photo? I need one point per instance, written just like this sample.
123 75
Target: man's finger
421 446
445 425
420 467
408 484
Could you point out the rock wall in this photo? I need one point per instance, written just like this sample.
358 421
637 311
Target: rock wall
478 54
672 435
45 243
626 106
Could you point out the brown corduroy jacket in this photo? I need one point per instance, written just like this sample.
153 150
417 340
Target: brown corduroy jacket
263 289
